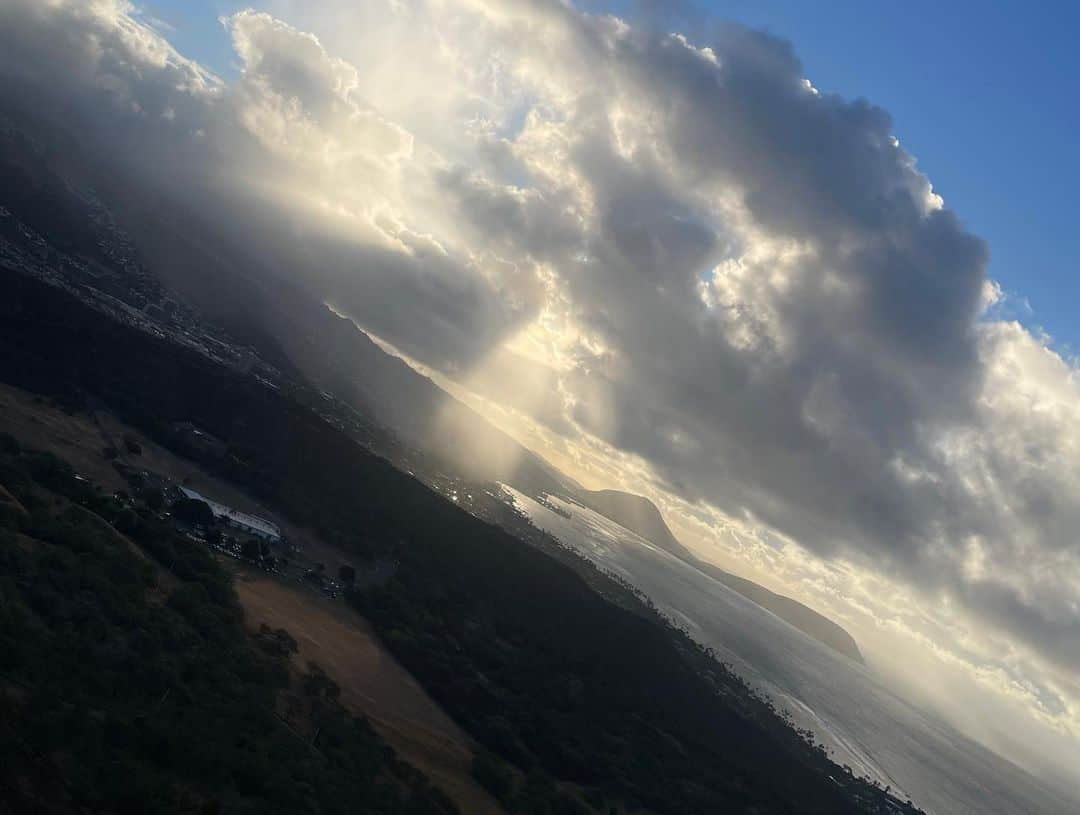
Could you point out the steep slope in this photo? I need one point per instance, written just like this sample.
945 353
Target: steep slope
533 663
129 684
338 356
291 327
327 632
373 684
640 515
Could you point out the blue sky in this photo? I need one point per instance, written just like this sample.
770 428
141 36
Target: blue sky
982 94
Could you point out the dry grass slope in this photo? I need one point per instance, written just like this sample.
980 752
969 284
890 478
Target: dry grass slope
327 631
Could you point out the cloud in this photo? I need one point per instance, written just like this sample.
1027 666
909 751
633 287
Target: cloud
751 289
676 264
753 258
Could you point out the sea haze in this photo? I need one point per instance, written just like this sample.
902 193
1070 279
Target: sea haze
860 721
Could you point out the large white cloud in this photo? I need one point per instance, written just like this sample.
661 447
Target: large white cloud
674 264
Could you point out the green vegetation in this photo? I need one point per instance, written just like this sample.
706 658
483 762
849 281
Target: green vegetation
129 685
193 511
579 703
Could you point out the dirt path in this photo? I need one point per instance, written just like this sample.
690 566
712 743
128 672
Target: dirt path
372 682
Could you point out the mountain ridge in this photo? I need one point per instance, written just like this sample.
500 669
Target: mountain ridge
643 517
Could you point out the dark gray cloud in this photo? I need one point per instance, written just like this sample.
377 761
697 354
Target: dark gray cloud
242 163
878 320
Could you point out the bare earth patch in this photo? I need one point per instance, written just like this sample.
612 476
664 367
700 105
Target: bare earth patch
372 682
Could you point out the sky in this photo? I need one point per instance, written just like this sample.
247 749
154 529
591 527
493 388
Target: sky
980 93
771 273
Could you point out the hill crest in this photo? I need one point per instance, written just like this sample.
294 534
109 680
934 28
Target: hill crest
643 517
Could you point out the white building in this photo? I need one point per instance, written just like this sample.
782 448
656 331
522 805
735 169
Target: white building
251 524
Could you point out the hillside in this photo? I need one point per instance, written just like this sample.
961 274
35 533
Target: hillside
373 684
640 515
128 683
557 684
305 340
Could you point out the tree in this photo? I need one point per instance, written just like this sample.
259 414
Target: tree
154 499
494 775
193 511
8 444
347 574
276 641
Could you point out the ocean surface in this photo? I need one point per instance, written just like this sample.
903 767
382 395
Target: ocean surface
860 721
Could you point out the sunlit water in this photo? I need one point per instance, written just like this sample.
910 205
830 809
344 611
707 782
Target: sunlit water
860 721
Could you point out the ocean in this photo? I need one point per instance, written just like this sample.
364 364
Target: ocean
859 719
